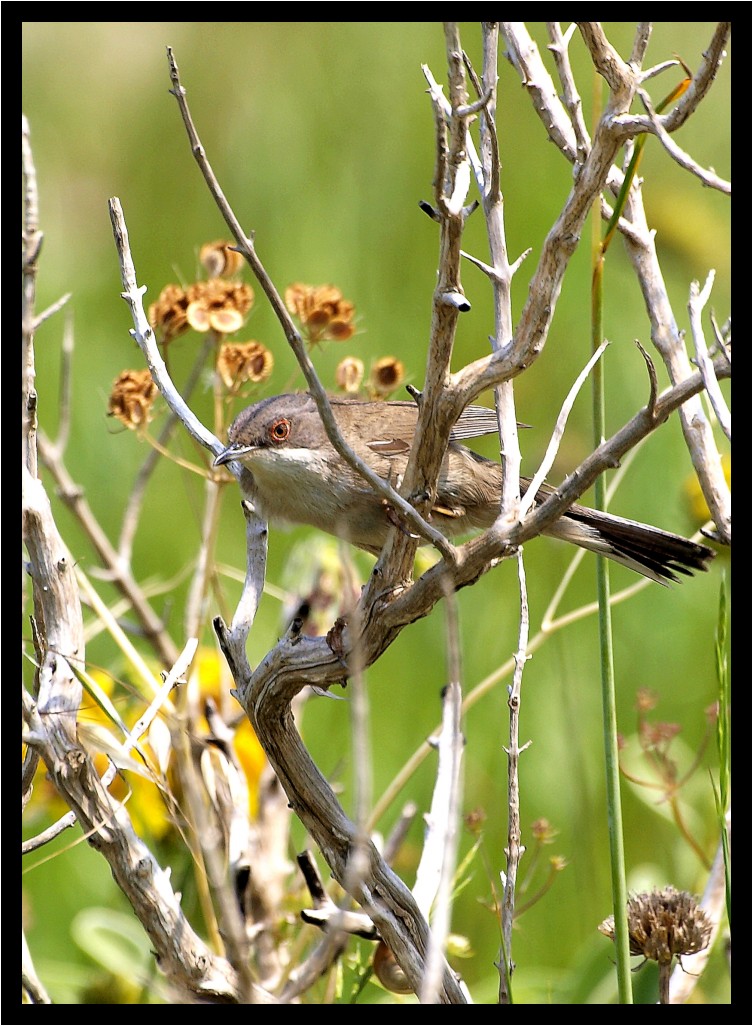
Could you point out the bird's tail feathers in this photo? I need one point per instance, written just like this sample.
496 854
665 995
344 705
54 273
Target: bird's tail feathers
656 554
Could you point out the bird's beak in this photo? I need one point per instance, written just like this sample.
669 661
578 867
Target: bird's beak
232 452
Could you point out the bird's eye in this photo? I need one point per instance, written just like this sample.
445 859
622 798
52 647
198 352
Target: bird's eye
280 430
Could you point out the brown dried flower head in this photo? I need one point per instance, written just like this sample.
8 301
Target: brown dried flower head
385 376
131 398
219 260
218 305
543 831
168 315
349 374
239 362
663 925
322 311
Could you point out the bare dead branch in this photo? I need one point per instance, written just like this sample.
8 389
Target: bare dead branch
709 178
668 340
559 47
523 54
247 249
634 124
515 848
699 297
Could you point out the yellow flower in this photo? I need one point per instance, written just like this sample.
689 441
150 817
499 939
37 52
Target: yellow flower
694 497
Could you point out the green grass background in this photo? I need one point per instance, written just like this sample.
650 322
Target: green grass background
322 136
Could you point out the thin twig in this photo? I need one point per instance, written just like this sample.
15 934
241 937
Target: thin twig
629 125
64 823
559 48
175 676
524 55
557 434
435 873
51 310
666 336
515 848
247 249
640 43
709 178
699 297
131 516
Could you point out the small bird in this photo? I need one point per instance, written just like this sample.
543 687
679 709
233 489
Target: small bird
300 478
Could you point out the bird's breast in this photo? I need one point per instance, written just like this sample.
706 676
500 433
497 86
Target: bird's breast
299 486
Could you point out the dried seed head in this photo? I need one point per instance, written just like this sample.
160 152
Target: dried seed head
349 374
131 398
239 362
385 376
168 315
219 260
322 311
646 700
543 831
664 924
218 304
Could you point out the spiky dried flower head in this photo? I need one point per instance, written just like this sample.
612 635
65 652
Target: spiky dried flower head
385 376
322 311
349 374
663 925
239 362
131 398
168 315
219 260
216 304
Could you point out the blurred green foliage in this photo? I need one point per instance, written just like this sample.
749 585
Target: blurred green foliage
322 137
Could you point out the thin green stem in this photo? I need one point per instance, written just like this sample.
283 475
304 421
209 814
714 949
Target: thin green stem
723 739
609 706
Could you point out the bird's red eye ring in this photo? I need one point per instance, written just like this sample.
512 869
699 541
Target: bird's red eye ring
279 430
